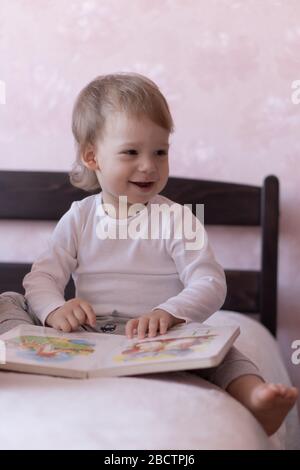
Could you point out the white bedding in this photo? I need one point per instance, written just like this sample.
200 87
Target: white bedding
161 411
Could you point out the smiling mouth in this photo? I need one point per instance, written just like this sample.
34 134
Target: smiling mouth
143 185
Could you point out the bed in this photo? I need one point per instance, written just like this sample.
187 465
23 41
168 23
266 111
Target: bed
177 410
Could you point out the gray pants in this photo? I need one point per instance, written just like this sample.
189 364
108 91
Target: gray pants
15 311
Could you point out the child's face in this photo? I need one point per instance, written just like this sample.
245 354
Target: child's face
132 150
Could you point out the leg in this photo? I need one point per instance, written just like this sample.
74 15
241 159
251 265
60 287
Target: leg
234 365
241 378
14 311
269 403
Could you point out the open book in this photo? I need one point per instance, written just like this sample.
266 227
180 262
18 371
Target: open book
41 350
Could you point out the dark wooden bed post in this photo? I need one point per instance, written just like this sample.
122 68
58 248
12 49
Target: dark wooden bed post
269 252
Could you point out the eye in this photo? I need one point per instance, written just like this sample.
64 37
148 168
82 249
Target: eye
130 152
134 152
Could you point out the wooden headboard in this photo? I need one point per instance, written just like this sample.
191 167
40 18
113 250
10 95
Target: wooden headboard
48 195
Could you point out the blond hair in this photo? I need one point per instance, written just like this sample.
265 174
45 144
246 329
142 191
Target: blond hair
132 93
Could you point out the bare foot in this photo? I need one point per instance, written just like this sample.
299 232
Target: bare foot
270 403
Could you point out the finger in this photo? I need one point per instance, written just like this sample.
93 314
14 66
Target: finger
64 325
142 327
80 315
153 326
163 325
73 321
130 327
89 313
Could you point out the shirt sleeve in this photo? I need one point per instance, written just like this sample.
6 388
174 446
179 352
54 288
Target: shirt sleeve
203 278
45 284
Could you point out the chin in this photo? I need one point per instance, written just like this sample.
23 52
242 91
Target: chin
140 199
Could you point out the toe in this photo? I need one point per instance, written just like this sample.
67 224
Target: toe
292 393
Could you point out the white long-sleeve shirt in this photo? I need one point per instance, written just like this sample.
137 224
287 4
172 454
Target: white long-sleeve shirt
132 275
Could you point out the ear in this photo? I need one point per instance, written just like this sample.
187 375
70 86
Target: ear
89 158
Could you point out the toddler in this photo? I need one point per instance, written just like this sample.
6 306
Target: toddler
121 125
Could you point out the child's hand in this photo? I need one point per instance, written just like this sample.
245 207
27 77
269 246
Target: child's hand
71 315
158 320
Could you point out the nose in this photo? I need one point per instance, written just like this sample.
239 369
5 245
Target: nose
148 164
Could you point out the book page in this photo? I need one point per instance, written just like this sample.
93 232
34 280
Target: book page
46 350
47 347
185 342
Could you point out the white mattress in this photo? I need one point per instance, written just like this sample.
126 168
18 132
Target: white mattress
161 411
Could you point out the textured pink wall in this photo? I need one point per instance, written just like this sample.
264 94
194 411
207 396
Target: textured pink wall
226 67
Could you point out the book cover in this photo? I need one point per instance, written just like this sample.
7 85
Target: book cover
43 350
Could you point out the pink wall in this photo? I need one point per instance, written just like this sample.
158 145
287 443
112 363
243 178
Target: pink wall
226 67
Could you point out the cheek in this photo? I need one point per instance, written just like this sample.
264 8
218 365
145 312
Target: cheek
120 173
164 167
115 168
